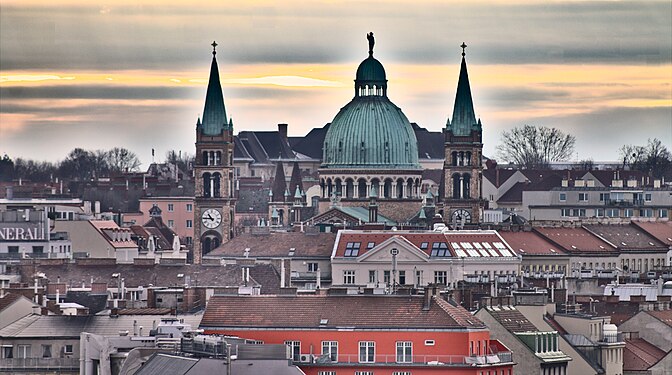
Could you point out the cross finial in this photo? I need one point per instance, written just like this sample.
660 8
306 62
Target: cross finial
214 45
464 45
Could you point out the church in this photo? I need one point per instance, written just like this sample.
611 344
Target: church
369 163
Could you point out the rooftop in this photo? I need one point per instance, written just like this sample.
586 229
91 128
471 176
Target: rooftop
277 245
307 312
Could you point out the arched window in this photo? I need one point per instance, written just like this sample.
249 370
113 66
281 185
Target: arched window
375 187
330 187
468 155
210 241
218 158
207 185
456 186
409 188
361 188
466 183
204 161
387 188
349 188
454 158
216 184
339 187
400 188
323 188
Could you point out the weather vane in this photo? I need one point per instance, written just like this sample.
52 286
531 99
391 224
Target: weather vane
464 45
214 45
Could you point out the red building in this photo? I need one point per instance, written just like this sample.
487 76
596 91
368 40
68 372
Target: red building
364 334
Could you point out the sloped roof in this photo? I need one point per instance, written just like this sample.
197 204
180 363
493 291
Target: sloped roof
157 275
33 326
164 364
627 236
661 230
8 299
504 175
639 355
511 319
575 240
391 312
530 243
664 316
277 245
514 194
430 144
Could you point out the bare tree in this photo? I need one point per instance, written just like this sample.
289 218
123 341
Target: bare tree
535 147
654 158
122 160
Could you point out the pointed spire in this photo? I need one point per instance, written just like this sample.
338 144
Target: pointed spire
214 114
297 193
422 215
295 181
279 183
463 111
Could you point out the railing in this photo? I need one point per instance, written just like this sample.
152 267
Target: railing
415 360
612 338
39 363
623 202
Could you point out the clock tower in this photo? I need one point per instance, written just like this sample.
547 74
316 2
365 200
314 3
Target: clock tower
463 165
213 171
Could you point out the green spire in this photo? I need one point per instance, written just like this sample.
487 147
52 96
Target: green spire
463 112
214 114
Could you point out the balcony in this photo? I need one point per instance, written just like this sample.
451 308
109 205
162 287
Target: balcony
412 361
612 338
34 364
624 202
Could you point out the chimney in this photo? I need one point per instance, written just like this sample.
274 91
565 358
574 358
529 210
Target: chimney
10 192
282 273
282 131
430 292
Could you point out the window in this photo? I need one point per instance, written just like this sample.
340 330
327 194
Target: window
424 245
647 197
367 351
440 277
13 249
7 351
46 351
38 249
662 212
373 276
440 249
604 197
628 212
583 197
579 212
189 240
386 277
401 373
352 249
295 349
599 212
404 352
312 267
349 277
171 207
429 342
254 342
326 373
190 207
330 349
563 197
402 277
646 212
68 349
190 224
611 212
23 351
565 212
363 372
370 245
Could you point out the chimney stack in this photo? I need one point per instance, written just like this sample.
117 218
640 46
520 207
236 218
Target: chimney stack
282 130
430 292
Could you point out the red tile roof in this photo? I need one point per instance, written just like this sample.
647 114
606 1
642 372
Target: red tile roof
627 237
639 355
530 243
453 240
358 312
511 319
661 230
278 244
575 240
664 316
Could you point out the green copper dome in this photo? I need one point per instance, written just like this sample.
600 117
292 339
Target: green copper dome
371 70
370 132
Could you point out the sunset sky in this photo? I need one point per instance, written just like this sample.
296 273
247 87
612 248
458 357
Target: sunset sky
100 74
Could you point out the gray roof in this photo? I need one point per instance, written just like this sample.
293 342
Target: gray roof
64 326
166 364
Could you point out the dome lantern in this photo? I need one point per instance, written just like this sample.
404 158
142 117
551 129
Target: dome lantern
370 79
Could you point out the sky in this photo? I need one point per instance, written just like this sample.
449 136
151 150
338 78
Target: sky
101 74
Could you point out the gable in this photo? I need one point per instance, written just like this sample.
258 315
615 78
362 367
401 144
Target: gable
407 252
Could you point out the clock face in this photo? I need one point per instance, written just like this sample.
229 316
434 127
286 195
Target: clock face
211 218
461 216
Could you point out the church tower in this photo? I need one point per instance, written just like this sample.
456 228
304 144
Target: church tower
463 169
213 171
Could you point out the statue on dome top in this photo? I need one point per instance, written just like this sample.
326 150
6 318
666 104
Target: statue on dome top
369 37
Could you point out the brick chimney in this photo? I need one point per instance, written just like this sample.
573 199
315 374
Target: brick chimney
282 130
430 292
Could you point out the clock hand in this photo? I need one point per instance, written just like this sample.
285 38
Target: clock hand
211 218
